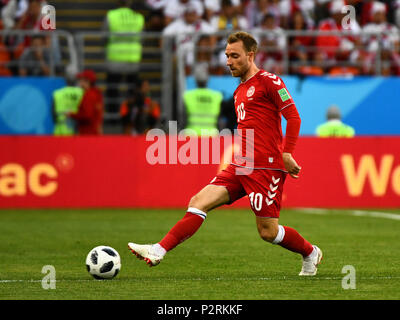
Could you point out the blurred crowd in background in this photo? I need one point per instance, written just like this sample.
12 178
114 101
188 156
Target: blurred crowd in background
370 46
269 19
317 54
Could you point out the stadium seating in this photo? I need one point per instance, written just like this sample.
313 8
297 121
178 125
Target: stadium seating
88 16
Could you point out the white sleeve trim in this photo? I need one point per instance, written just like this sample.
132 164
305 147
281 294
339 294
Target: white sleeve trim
287 106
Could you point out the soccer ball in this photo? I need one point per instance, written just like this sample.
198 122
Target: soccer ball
103 262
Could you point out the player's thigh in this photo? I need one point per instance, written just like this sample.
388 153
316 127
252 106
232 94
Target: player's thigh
210 197
230 180
265 189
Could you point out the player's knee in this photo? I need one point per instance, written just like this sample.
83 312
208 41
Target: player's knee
196 202
268 234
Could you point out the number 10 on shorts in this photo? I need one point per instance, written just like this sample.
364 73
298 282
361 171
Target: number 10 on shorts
256 201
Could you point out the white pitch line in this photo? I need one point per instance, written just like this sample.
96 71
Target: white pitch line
357 213
376 214
313 210
205 279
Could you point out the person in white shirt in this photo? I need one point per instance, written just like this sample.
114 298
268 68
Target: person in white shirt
257 9
186 29
384 37
272 45
174 9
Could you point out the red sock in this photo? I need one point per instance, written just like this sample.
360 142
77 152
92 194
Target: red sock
293 241
182 230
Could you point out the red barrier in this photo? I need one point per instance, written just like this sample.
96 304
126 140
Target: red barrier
112 171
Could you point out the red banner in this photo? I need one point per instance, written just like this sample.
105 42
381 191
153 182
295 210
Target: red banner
115 171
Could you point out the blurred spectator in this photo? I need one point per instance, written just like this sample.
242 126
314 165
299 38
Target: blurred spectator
229 19
307 7
155 21
156 4
358 6
282 10
66 100
89 118
333 49
175 9
387 42
289 7
366 14
4 57
334 127
396 5
35 60
185 30
203 105
31 17
300 46
124 53
12 11
27 15
321 10
213 7
30 20
257 9
139 112
204 49
204 53
272 43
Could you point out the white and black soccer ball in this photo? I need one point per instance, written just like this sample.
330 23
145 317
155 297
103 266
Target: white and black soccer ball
103 262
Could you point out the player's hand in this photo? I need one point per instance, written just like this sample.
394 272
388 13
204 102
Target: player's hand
291 165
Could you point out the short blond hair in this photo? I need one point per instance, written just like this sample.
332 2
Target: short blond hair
249 43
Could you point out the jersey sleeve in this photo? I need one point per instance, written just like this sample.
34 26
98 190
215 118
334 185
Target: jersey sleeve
277 92
292 128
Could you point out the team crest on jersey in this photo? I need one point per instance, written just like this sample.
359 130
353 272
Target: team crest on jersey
251 91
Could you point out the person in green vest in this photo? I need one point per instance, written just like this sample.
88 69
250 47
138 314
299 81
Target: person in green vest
334 127
203 106
66 100
123 52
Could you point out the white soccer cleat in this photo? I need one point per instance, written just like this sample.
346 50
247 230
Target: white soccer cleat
311 262
145 252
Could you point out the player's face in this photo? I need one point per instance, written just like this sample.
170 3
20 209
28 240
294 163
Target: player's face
237 59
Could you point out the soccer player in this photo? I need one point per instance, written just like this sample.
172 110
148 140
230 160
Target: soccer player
260 99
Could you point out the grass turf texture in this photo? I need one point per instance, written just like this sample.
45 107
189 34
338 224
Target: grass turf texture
225 259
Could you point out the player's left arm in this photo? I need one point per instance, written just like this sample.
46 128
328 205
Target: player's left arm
285 104
292 133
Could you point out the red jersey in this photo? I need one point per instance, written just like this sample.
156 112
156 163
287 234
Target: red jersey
258 105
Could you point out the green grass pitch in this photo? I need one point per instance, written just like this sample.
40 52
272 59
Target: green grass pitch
224 260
